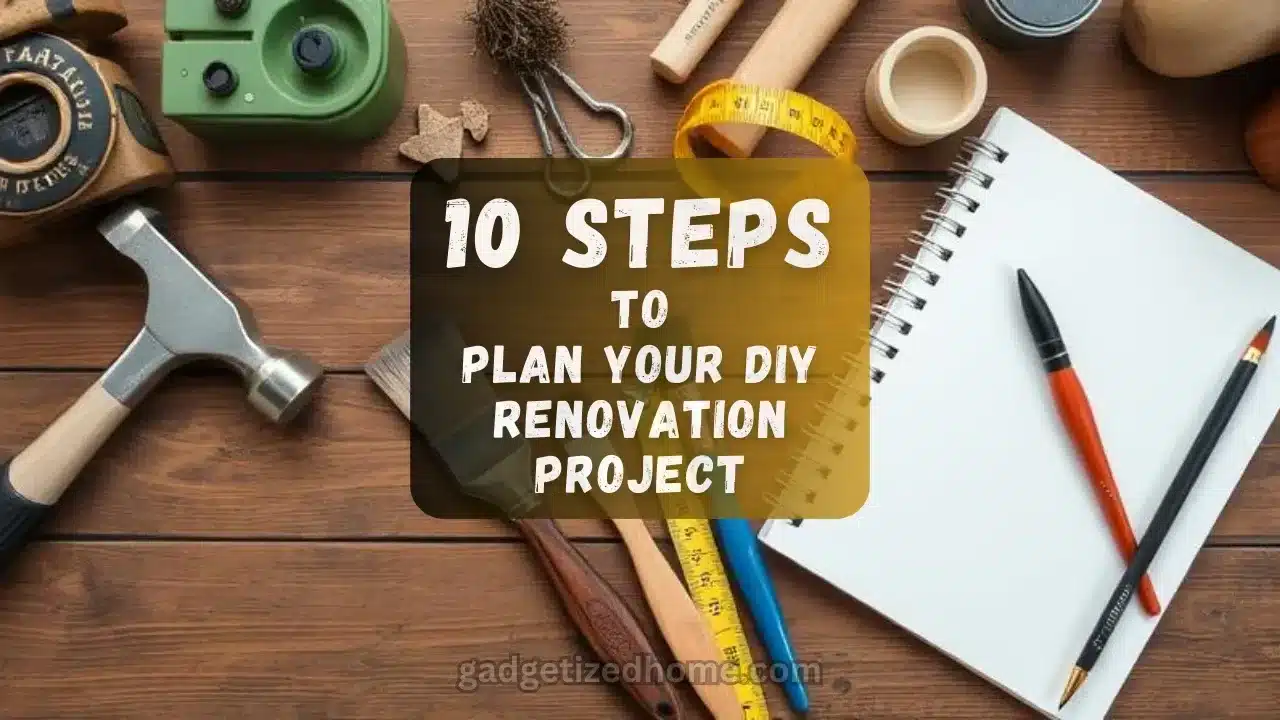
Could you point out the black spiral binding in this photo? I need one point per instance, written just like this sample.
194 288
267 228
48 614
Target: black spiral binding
939 241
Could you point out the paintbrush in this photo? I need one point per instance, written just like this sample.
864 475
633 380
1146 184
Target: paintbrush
458 425
679 619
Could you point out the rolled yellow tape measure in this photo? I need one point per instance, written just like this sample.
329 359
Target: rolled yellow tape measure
725 101
704 574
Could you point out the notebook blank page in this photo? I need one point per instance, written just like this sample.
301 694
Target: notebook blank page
982 534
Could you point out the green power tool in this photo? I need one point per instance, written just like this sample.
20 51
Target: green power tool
329 68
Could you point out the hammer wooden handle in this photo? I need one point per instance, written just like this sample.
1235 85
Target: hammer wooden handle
603 618
692 35
780 59
681 622
33 481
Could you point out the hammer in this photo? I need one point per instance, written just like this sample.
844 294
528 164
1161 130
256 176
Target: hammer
189 317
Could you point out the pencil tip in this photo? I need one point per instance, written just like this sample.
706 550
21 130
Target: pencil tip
1078 676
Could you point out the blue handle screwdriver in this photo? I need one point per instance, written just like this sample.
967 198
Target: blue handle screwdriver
746 566
746 569
741 549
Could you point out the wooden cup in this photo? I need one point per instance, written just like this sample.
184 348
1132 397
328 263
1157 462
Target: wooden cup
1262 140
926 85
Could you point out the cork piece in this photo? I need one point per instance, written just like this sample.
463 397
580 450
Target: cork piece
430 121
475 119
90 19
438 142
444 143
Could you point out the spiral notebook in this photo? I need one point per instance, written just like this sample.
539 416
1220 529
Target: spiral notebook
981 534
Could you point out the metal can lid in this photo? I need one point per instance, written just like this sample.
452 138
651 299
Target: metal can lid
1043 16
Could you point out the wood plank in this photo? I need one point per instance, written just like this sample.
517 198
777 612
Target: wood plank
361 631
195 461
325 265
1090 90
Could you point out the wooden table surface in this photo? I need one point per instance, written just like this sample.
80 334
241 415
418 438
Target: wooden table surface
208 565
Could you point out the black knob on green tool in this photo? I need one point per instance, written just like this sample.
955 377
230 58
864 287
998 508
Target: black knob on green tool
219 79
231 8
315 50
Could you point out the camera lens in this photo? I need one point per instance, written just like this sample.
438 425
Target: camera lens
231 8
219 79
29 122
315 50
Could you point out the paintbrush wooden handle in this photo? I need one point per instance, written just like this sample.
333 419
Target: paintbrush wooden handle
683 626
603 617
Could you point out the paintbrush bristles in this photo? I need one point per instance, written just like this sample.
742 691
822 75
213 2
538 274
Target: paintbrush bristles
389 370
523 34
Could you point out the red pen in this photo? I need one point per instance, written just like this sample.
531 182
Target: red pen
1073 407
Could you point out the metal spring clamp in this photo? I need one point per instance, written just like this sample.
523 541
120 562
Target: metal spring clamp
540 98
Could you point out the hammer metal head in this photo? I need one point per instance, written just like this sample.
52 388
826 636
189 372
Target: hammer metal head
191 317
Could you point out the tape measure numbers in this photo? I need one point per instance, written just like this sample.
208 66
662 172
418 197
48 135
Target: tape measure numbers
708 582
791 112
704 573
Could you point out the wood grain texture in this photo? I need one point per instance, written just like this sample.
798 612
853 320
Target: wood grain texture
325 266
197 462
357 631
210 565
1090 91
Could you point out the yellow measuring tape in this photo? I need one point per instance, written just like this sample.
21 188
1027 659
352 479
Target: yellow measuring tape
708 583
725 101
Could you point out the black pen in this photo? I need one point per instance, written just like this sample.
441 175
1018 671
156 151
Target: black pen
1214 425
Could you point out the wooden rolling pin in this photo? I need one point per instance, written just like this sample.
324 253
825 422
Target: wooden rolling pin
1262 140
780 59
689 39
1193 38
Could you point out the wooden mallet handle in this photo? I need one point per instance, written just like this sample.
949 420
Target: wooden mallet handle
689 39
780 59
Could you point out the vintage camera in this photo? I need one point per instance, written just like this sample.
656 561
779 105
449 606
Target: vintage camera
283 68
73 132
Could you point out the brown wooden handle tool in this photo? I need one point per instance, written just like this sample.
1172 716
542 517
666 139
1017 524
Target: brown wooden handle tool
682 624
603 617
